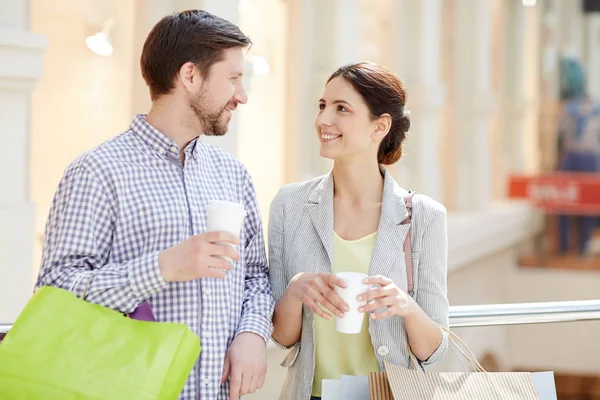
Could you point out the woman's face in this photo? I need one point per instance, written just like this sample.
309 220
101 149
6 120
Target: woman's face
344 124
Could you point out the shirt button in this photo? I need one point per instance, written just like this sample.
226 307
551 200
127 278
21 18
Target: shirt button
383 351
174 149
162 152
206 293
206 381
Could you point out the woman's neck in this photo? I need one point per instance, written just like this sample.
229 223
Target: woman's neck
357 183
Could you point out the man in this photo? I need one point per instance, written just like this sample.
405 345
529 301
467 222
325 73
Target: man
128 220
578 143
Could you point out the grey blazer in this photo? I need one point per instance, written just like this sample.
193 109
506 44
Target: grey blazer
301 240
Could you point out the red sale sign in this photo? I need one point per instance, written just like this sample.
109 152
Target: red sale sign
559 193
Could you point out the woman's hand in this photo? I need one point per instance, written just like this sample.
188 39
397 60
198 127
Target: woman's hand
317 293
386 295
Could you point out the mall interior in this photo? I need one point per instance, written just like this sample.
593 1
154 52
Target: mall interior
483 82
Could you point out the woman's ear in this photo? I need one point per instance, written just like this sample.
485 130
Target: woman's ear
382 126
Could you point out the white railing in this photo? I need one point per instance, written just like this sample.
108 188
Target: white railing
524 313
509 314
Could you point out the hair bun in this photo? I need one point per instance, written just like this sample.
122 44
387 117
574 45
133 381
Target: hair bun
404 122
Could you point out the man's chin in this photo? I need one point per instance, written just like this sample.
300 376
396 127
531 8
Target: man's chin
218 131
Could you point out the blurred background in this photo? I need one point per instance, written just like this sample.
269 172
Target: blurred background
484 87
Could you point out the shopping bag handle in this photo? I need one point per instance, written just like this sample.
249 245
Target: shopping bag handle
453 338
143 312
78 280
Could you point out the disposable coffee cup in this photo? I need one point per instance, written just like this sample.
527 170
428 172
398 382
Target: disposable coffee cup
352 320
225 216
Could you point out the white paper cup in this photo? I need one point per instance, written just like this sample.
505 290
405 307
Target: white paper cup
352 321
225 216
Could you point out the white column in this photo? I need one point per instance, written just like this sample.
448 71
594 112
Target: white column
520 137
572 29
515 103
347 32
553 30
300 60
17 79
475 103
593 55
262 128
418 61
318 44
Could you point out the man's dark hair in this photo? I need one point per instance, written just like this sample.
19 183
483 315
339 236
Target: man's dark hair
189 36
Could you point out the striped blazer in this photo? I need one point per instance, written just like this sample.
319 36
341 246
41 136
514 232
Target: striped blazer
301 240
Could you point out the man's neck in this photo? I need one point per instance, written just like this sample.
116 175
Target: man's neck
175 122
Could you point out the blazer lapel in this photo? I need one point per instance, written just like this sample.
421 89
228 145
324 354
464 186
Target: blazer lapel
391 233
320 209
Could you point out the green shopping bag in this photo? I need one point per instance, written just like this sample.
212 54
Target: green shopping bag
62 347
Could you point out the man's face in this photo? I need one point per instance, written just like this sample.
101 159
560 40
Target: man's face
220 93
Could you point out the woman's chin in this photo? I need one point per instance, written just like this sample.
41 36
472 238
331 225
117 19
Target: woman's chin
327 153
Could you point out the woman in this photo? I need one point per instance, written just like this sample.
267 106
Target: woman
351 220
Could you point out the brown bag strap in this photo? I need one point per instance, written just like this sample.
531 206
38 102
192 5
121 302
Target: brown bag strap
408 244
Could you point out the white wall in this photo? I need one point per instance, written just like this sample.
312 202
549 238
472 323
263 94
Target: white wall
20 66
82 99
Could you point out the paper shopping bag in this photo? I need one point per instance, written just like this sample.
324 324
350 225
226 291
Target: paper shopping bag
399 383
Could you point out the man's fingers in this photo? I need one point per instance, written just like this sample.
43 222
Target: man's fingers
235 383
219 262
224 250
253 384
261 382
226 369
221 236
215 273
246 382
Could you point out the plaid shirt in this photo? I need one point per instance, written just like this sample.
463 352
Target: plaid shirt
119 205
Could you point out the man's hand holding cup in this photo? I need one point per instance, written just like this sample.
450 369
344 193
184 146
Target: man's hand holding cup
211 254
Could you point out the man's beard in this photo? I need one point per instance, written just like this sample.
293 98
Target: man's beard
213 123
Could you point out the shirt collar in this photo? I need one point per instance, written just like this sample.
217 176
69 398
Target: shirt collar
156 140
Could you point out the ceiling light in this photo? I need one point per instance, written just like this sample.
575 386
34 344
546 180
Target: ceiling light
100 43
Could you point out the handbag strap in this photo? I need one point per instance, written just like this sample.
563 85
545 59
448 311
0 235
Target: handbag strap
408 243
453 338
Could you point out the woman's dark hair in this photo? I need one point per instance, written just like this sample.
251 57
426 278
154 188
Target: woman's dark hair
192 35
384 93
